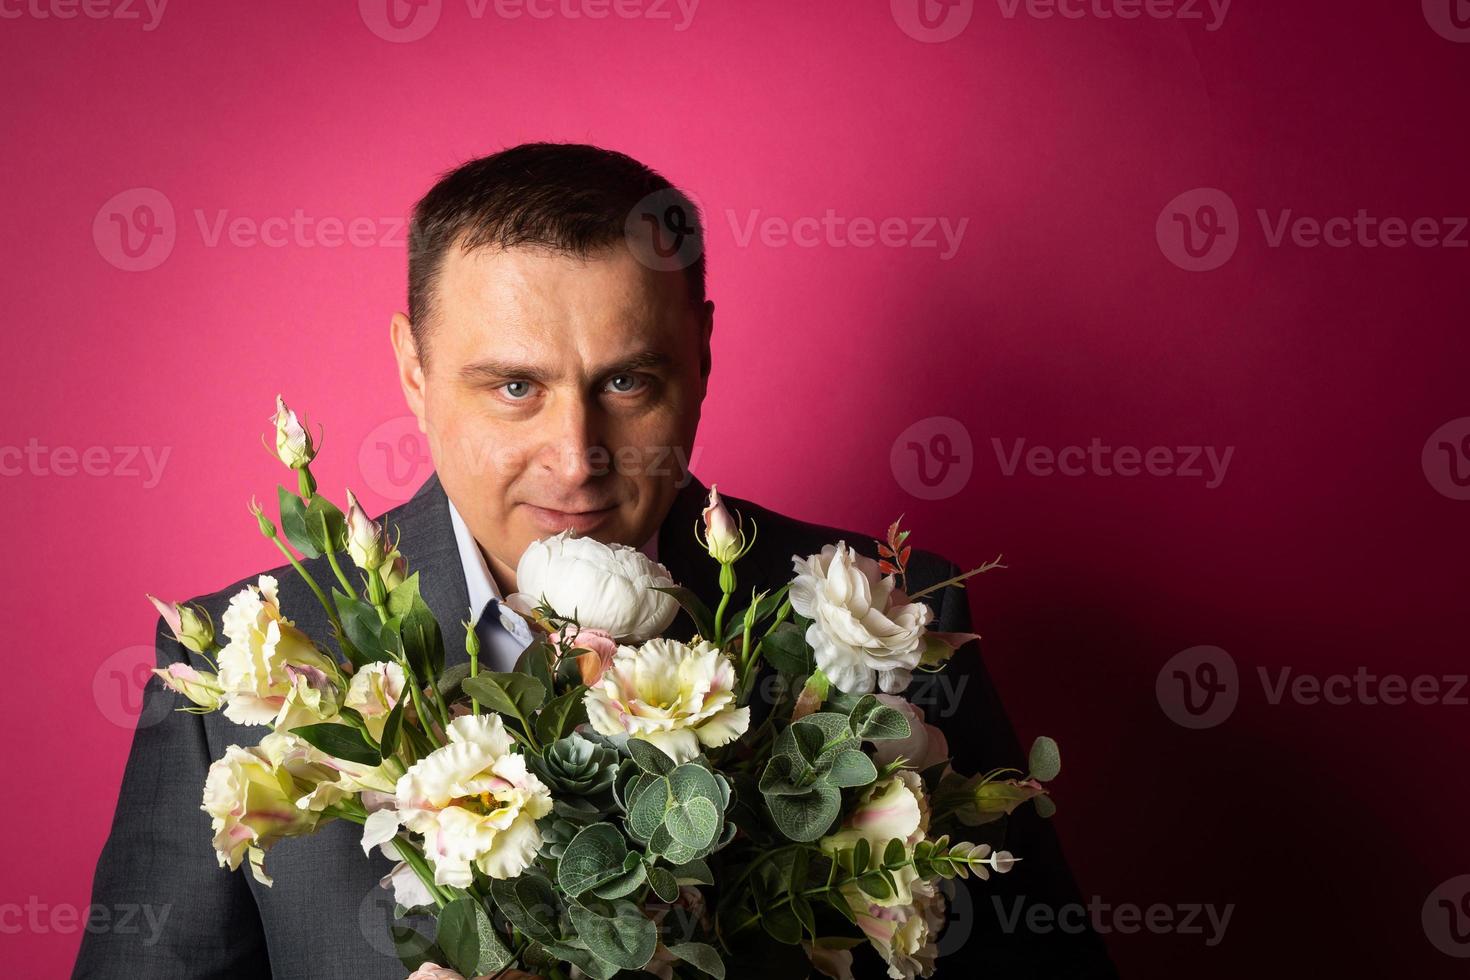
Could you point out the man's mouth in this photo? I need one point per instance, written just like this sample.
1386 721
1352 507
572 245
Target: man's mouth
553 521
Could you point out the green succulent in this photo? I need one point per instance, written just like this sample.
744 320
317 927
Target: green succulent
576 766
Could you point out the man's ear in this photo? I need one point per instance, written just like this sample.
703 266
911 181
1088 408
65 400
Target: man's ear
706 329
410 366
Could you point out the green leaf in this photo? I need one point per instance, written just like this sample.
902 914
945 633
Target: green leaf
862 855
422 642
341 742
895 852
414 949
514 694
694 824
565 712
325 524
702 957
468 939
393 727
626 938
664 883
852 768
363 627
874 721
293 522
535 661
1045 808
529 902
650 757
876 886
1046 759
625 883
703 619
594 856
781 923
808 740
805 817
786 648
694 873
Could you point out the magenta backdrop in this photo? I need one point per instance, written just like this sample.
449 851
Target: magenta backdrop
1066 155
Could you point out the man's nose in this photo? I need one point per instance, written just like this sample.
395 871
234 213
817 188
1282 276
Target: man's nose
572 441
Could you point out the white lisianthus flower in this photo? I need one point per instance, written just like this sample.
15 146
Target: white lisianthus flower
293 442
863 626
475 803
907 935
676 696
373 692
604 586
270 671
896 807
251 797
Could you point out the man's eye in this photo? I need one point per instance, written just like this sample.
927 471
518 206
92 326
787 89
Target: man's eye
624 383
516 390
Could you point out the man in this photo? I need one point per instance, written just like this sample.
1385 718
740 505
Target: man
556 352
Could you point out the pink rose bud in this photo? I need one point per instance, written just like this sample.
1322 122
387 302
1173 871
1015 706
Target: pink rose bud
593 648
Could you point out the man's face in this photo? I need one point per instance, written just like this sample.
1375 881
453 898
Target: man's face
560 392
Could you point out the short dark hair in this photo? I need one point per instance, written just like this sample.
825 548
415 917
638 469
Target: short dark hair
567 197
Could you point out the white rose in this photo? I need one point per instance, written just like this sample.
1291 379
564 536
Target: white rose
474 801
606 587
863 626
270 671
676 696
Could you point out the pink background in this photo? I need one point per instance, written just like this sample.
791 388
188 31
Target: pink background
1062 317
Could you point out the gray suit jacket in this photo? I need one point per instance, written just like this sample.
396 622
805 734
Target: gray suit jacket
326 915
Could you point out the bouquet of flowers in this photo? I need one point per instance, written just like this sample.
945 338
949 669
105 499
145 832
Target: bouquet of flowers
608 805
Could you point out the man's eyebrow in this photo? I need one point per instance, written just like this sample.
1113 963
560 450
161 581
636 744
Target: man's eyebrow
491 370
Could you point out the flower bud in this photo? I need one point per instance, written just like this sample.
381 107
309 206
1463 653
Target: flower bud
293 442
263 522
364 537
190 625
198 686
723 538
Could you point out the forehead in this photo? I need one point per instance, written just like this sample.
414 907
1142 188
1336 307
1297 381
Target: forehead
534 297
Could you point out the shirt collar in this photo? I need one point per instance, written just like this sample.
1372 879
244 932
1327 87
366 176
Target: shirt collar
477 577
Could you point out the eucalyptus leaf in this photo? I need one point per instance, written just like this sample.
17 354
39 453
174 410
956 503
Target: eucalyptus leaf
1045 760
